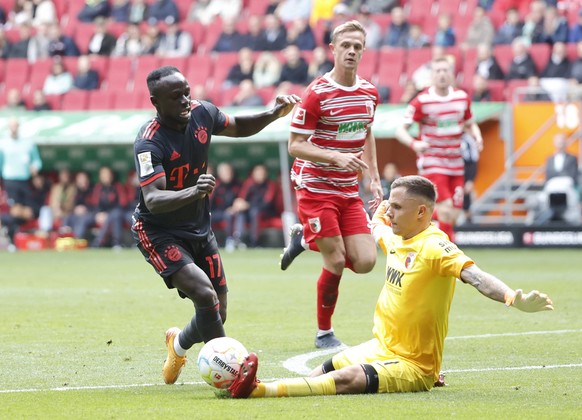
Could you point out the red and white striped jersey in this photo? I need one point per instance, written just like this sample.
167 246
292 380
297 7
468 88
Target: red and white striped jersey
335 117
441 121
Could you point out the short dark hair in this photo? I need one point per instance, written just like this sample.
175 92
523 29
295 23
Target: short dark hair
417 185
156 75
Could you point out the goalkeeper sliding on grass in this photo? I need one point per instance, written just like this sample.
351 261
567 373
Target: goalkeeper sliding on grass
411 317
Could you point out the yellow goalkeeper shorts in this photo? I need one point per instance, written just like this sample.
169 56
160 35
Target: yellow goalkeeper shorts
394 373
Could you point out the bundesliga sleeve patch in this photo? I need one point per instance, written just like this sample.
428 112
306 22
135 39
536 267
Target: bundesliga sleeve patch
299 116
145 164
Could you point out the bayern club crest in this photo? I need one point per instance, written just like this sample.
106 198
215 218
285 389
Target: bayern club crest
409 260
315 225
202 135
173 253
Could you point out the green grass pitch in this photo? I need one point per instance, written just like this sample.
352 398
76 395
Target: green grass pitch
82 337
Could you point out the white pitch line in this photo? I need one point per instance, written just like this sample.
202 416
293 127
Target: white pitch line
298 364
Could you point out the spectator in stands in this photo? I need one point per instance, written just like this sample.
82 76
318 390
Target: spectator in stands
299 33
390 174
120 10
22 12
19 162
39 102
2 15
408 93
138 11
5 44
522 65
575 34
205 11
445 35
291 10
373 30
294 68
129 43
163 11
576 66
242 70
102 42
14 101
481 30
510 29
471 153
21 48
38 47
44 13
416 38
533 27
59 44
175 42
94 9
255 202
150 39
252 38
555 27
247 95
267 70
487 65
109 198
86 78
59 81
83 213
562 163
40 187
535 92
319 64
481 92
61 198
558 65
226 191
230 38
380 6
397 32
274 35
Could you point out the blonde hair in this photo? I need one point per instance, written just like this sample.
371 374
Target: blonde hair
349 26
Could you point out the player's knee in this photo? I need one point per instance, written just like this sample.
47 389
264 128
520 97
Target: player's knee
350 380
365 264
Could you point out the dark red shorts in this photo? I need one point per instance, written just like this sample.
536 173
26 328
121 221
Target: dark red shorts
448 186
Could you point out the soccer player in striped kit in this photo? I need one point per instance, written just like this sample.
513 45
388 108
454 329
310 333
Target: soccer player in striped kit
443 114
332 142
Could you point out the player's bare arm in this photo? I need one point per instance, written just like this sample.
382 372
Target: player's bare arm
404 137
369 157
473 129
160 200
300 147
490 286
247 125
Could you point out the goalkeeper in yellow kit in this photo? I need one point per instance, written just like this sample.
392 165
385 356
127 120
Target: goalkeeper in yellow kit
411 316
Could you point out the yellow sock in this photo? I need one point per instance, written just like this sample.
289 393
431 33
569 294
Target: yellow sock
296 387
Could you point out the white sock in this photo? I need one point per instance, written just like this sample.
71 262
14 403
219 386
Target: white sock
304 244
324 332
177 348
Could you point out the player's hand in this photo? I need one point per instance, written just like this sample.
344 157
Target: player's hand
380 216
205 185
376 189
284 104
350 161
420 146
534 301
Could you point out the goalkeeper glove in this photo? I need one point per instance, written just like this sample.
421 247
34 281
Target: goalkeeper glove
534 301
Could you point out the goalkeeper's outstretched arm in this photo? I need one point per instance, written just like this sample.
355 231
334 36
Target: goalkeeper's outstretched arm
490 286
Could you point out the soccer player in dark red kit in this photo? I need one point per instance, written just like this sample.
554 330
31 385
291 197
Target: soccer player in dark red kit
443 114
332 142
171 224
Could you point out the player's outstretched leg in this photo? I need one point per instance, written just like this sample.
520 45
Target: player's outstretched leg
174 363
295 248
246 381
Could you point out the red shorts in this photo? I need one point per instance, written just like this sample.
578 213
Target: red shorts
325 216
449 186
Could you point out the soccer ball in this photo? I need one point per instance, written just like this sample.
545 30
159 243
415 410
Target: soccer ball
219 361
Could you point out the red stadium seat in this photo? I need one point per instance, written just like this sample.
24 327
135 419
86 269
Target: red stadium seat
469 66
54 101
391 66
416 58
144 65
511 86
16 73
540 54
100 100
119 74
222 65
198 32
39 72
83 34
212 34
257 7
199 70
75 100
368 65
419 10
123 100
396 93
181 63
452 7
504 55
183 8
497 89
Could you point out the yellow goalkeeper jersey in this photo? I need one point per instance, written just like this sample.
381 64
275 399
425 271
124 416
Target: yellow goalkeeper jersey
411 316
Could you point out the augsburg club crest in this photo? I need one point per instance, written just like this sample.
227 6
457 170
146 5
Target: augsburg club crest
315 225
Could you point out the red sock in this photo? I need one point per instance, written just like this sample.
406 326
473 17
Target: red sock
448 229
327 293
